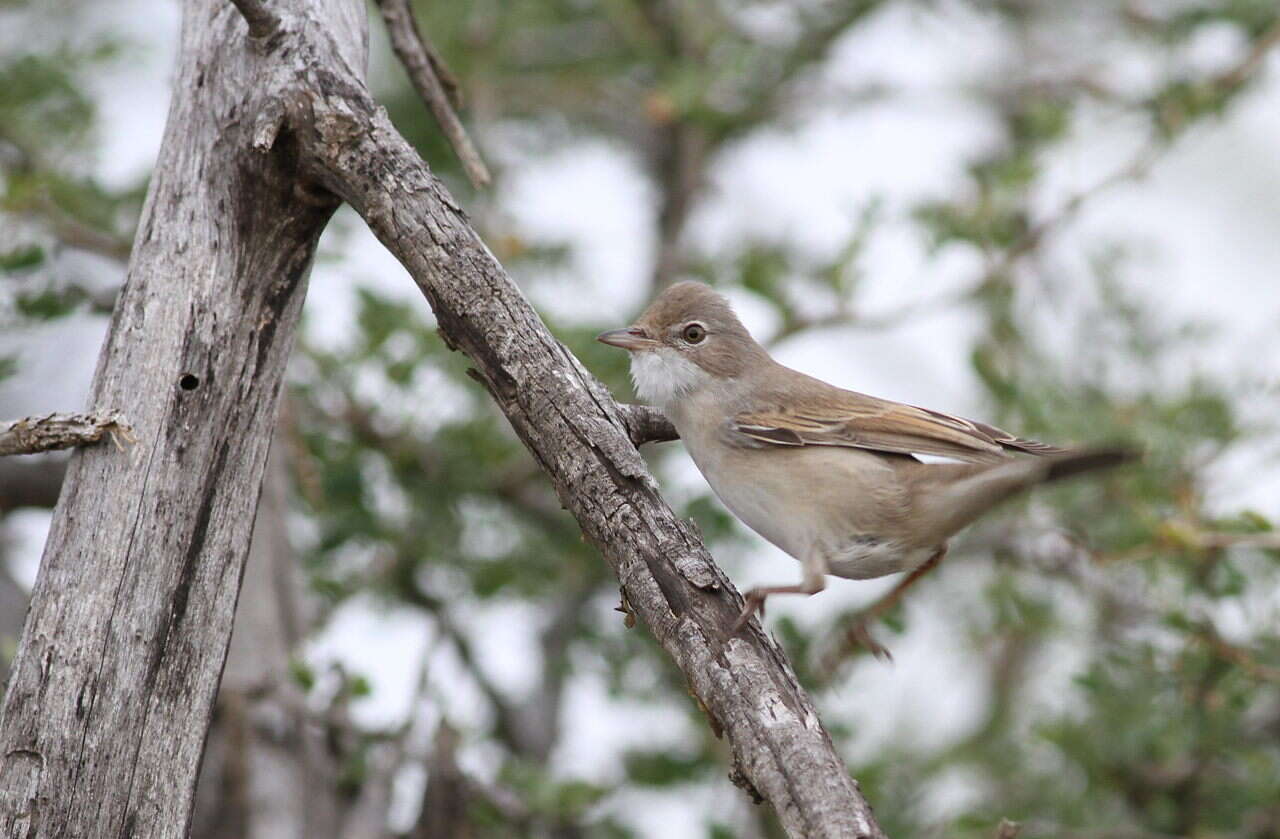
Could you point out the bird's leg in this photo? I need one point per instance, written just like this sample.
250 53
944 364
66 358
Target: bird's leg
859 635
814 581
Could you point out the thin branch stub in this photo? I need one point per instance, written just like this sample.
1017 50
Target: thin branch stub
51 432
263 21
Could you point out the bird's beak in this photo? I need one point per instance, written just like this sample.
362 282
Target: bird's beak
632 338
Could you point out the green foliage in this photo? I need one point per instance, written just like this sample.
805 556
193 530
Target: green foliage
1158 728
47 124
302 674
1152 628
41 95
21 259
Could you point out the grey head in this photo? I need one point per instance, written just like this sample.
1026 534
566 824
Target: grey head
689 337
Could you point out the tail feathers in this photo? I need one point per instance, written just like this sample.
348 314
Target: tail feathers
969 497
1087 460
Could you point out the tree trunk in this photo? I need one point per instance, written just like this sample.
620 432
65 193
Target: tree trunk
106 711
269 771
116 672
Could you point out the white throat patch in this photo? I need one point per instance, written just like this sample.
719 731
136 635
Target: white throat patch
662 376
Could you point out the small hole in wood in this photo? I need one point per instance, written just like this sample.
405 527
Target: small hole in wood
189 382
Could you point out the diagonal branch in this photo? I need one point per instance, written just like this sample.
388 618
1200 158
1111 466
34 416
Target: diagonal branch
580 437
434 83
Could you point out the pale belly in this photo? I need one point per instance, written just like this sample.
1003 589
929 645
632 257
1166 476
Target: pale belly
833 516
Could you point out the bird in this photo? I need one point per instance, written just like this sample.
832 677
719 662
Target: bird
831 476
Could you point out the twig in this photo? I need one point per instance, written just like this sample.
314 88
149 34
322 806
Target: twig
263 21
1266 541
74 233
1134 170
647 425
1008 829
1207 633
844 316
1140 165
1252 60
63 431
433 82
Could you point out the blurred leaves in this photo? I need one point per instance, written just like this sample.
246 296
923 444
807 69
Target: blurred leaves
1124 631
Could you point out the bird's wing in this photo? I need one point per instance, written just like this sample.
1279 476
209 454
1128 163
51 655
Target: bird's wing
854 420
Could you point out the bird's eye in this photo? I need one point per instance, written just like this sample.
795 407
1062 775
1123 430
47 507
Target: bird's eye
694 333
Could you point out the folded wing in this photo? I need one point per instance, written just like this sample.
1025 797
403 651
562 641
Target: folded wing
854 420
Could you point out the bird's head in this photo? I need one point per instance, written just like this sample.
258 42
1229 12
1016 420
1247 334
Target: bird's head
688 338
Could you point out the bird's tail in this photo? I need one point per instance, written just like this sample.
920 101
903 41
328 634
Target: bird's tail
970 496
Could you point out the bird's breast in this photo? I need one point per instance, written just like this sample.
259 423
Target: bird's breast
844 503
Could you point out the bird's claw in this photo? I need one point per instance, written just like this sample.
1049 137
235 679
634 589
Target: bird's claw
859 635
754 602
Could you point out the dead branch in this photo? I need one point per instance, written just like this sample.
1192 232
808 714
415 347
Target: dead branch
434 83
51 432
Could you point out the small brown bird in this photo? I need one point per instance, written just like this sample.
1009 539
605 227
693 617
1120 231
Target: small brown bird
828 475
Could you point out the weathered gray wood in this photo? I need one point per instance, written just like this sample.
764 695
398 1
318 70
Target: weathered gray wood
119 660
647 425
579 436
50 432
106 711
423 65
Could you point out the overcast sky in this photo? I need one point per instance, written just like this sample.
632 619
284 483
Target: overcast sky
1205 222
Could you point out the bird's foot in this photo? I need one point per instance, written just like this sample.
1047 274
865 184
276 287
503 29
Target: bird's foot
859 635
754 603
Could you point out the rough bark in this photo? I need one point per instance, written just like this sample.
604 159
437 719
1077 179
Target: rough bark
115 675
578 435
647 425
106 711
62 431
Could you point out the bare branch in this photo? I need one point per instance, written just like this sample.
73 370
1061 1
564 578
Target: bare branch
577 433
1252 61
113 683
647 425
73 233
433 82
62 431
117 670
263 21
